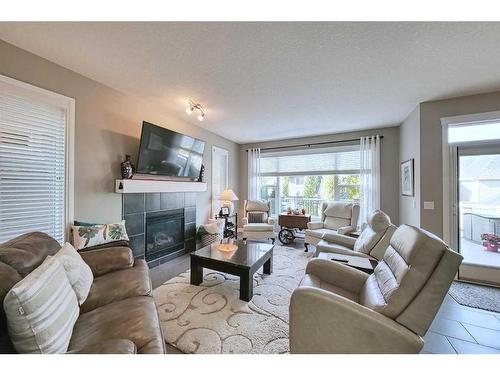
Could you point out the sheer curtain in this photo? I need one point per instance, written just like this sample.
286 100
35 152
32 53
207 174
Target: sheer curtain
369 176
254 173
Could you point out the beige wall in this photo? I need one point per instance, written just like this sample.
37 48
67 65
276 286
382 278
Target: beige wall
108 126
431 184
389 161
409 148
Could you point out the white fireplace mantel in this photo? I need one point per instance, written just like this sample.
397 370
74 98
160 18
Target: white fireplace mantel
158 186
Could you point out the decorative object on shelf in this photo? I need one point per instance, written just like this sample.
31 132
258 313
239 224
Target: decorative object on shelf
303 211
227 197
192 106
289 211
407 178
491 242
224 211
127 168
202 173
230 226
297 212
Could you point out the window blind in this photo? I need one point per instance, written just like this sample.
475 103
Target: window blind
32 166
335 160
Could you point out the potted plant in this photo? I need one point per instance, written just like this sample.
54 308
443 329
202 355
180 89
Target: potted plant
490 241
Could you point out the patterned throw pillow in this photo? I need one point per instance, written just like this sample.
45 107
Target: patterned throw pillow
87 236
257 217
41 310
79 273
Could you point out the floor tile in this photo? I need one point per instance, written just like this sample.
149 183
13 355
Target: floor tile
437 344
466 347
484 336
476 317
450 328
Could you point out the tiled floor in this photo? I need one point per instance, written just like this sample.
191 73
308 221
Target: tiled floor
456 329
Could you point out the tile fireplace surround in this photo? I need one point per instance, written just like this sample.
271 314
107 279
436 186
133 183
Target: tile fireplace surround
135 207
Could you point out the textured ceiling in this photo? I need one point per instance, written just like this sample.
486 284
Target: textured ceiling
264 81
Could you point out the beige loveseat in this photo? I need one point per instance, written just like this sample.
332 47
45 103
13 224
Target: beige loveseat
338 309
119 314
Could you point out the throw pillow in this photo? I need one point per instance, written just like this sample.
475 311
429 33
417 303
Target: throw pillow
87 236
41 310
79 273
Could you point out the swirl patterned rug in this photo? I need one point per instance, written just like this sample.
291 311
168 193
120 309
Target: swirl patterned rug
210 318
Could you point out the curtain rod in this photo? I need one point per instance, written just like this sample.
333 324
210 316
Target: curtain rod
311 144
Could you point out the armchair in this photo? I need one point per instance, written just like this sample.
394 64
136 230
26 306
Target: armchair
372 242
336 217
337 309
257 225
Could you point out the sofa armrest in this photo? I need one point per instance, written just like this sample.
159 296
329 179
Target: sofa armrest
111 346
340 239
271 221
346 229
110 259
315 225
324 322
244 221
337 274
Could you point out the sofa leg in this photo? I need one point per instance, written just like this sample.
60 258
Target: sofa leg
305 245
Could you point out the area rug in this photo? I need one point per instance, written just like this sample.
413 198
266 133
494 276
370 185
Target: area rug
210 318
478 296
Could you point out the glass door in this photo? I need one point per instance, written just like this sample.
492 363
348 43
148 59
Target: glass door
478 219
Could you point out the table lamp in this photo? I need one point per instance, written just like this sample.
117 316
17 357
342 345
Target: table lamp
227 197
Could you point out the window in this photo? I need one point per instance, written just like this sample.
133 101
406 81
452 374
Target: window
469 132
36 127
307 178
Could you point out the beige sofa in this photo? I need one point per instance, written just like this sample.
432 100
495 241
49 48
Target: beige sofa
338 309
336 217
119 314
371 243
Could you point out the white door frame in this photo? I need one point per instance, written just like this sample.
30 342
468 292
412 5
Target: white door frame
225 154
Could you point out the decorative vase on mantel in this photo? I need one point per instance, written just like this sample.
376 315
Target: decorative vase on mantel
127 168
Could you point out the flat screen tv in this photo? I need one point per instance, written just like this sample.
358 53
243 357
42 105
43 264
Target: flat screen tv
163 152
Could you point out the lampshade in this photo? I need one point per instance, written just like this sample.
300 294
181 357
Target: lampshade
228 195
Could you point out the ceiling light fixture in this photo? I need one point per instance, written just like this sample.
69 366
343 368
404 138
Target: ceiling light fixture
192 106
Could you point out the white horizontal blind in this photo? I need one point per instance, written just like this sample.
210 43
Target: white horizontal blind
333 160
32 166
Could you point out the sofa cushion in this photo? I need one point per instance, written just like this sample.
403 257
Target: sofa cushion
261 206
318 233
335 223
326 247
258 227
257 217
41 310
26 252
339 209
102 261
92 235
78 272
118 285
135 319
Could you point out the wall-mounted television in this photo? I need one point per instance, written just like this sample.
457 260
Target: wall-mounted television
163 152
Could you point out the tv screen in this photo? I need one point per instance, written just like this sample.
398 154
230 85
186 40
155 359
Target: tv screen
164 152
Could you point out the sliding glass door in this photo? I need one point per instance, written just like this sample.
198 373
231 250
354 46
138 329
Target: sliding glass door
478 183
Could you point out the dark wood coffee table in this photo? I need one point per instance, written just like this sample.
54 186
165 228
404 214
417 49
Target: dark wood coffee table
242 262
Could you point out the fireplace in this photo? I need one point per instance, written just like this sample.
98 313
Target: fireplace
164 233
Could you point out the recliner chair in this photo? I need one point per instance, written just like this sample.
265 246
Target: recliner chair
338 309
336 217
371 243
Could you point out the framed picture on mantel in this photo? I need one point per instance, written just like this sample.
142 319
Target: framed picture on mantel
407 178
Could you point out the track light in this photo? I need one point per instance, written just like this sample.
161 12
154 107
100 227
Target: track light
192 106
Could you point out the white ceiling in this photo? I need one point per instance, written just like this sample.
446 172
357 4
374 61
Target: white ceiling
266 81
